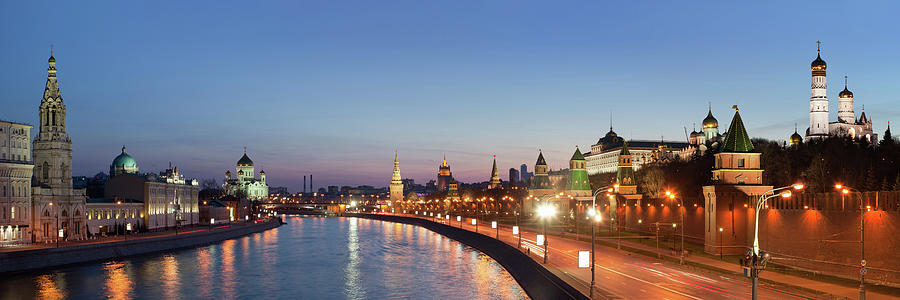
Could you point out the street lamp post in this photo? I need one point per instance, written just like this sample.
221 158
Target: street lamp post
755 258
593 217
862 237
57 225
546 211
721 250
681 212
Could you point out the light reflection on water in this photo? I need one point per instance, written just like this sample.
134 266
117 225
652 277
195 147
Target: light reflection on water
308 258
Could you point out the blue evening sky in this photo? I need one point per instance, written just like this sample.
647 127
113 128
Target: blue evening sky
332 88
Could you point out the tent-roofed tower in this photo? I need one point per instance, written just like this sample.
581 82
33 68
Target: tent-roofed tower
737 180
625 174
579 185
495 177
396 181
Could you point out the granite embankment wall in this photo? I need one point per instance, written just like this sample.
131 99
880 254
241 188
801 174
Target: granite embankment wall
537 281
53 257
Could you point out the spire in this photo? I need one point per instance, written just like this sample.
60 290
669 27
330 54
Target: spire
887 133
495 176
540 159
625 149
444 163
737 139
395 177
577 155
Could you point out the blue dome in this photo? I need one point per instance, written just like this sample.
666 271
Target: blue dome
123 163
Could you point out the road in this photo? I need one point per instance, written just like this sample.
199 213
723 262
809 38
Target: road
626 275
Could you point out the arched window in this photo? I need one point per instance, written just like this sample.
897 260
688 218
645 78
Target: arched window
46 170
65 213
47 213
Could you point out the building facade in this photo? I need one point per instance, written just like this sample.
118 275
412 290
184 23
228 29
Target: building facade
107 216
847 125
168 200
16 169
58 210
444 175
246 183
604 155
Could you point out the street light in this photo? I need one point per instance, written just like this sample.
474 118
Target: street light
681 212
862 237
57 225
755 258
593 216
546 211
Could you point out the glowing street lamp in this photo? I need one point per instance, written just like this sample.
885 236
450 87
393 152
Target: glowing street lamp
545 212
756 258
862 237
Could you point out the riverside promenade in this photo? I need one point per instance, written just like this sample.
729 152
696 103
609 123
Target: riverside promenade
635 272
47 255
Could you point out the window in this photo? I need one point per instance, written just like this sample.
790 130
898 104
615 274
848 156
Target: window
740 162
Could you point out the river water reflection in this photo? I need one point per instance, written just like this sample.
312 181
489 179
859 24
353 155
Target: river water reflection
308 258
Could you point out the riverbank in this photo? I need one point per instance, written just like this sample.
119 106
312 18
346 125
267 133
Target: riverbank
35 259
537 281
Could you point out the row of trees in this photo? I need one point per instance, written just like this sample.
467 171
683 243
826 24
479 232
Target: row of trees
818 164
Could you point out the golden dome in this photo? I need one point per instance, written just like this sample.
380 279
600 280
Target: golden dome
710 121
818 64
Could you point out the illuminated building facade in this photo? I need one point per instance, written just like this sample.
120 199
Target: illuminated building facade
166 199
246 183
604 155
444 175
847 124
58 208
15 183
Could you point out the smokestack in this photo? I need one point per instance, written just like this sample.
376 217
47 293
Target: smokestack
304 184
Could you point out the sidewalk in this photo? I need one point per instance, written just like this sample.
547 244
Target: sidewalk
119 238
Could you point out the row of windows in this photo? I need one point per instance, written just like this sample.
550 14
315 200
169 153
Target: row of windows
15 211
14 191
101 214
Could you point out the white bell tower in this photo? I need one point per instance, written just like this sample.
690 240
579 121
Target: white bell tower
818 102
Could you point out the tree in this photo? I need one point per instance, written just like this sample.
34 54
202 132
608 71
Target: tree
871 183
653 181
816 174
208 184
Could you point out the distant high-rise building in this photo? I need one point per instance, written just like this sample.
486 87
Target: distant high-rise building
495 177
396 182
513 177
523 173
444 175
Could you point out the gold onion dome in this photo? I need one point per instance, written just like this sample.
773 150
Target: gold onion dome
845 93
818 64
710 121
796 138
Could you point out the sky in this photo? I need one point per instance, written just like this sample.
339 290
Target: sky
333 88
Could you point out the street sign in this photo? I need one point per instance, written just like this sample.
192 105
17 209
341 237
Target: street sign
584 259
493 224
862 271
540 239
515 230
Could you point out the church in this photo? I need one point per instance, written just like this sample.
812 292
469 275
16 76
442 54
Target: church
246 182
847 125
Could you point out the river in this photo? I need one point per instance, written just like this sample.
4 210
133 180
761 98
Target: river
307 258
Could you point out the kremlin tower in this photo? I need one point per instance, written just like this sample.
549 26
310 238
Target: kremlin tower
396 182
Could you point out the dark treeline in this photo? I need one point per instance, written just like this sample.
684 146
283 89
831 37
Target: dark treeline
818 164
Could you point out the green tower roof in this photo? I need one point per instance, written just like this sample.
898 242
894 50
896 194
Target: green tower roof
737 139
577 155
624 149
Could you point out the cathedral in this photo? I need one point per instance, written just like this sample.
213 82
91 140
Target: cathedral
847 125
58 207
246 182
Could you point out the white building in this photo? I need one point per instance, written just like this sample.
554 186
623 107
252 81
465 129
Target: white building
15 183
604 155
246 182
166 199
847 124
